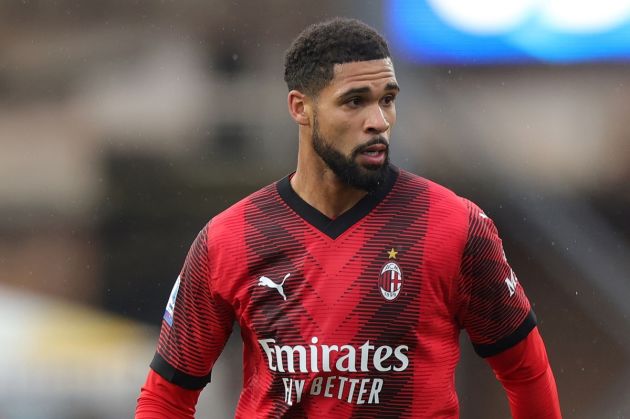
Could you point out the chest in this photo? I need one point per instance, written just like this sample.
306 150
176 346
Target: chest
371 284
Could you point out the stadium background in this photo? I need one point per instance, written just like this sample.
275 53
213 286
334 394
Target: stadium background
124 126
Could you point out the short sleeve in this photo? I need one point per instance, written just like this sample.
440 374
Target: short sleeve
196 323
493 307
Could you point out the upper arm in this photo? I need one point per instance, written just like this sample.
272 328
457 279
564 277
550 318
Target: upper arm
492 306
196 324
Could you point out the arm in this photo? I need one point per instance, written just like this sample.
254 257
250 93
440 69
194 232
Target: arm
496 313
526 376
195 328
162 399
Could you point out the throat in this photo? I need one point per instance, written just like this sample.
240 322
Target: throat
331 198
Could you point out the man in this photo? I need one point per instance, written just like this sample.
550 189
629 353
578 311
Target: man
350 279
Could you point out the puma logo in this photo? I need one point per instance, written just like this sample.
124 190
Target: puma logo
263 280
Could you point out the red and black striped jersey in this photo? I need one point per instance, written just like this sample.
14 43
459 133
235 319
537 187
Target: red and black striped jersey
357 316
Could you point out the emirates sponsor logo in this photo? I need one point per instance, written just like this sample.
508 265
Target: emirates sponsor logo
320 358
325 358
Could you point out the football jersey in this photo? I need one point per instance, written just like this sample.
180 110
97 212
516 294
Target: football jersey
357 316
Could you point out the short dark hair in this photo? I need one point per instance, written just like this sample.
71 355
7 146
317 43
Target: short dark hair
309 61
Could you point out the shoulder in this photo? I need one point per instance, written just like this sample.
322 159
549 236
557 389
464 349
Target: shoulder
232 220
446 209
456 211
439 197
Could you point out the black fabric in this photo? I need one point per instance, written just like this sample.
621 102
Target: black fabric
172 375
335 228
507 342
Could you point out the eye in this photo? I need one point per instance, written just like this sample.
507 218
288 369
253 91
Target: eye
354 102
388 100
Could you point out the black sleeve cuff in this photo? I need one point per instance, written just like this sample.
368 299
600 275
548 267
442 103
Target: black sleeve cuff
172 375
507 342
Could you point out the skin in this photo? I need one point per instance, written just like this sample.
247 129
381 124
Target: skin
354 108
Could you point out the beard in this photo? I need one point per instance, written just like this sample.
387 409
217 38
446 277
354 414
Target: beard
364 177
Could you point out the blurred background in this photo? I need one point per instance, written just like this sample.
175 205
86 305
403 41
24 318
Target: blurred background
126 125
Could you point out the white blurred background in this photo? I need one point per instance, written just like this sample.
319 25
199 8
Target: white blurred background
125 126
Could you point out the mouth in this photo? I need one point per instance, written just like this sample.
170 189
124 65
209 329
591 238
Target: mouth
374 155
375 149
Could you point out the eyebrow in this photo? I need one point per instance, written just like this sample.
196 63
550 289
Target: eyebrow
392 86
363 90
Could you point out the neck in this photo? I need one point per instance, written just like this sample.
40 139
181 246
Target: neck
316 184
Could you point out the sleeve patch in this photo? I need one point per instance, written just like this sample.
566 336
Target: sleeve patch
170 306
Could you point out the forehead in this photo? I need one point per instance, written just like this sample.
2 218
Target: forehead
375 74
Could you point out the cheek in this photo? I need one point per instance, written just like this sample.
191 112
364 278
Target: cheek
348 135
346 126
391 115
336 129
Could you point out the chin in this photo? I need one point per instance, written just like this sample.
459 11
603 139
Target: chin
374 167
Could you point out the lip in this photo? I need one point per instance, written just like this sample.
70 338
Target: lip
375 148
374 155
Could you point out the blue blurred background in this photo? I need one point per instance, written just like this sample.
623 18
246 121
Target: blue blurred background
125 126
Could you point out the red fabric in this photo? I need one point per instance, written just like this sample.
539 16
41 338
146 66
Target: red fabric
525 373
297 282
160 399
325 332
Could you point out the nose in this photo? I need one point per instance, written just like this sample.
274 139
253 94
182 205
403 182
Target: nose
376 121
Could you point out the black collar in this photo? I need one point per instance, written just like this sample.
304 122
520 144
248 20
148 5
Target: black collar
333 228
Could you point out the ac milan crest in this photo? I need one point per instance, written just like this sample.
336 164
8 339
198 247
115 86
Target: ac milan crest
390 278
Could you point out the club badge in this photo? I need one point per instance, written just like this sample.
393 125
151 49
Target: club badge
390 279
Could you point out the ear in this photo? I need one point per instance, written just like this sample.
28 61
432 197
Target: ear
298 107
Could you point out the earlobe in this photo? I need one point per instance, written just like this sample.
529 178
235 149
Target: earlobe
296 102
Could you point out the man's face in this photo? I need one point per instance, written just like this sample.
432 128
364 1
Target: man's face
352 120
